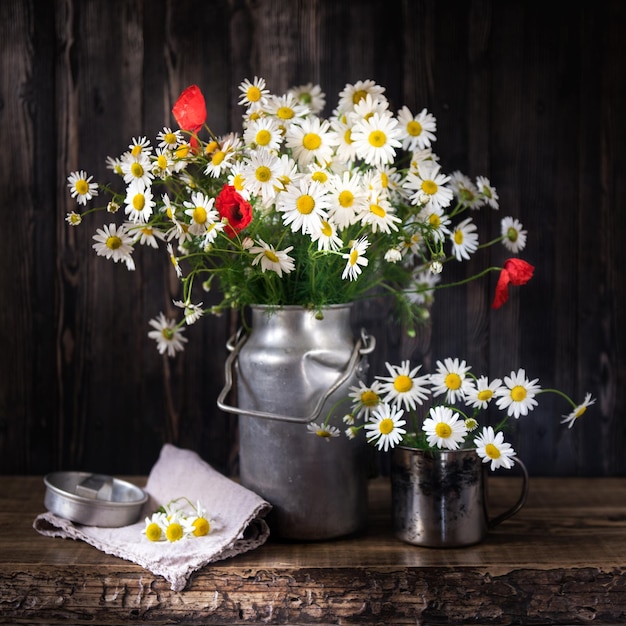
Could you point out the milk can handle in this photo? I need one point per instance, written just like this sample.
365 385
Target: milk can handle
364 345
492 523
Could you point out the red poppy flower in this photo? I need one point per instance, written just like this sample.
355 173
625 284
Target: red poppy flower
190 109
234 208
515 272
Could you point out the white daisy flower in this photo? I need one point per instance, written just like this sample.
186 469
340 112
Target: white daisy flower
114 242
146 234
168 335
303 206
444 428
140 147
137 169
311 140
479 393
517 395
345 150
379 215
261 175
429 184
351 95
264 133
578 411
355 259
192 312
347 197
169 139
286 109
162 163
491 447
81 187
403 386
311 96
222 156
202 212
385 426
465 191
464 239
451 379
487 192
254 92
277 261
514 237
73 218
376 138
417 131
139 202
325 431
326 237
365 398
437 221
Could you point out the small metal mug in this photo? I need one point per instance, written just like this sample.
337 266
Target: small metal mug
439 497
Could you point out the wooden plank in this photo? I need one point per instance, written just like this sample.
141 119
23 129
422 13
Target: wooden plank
560 560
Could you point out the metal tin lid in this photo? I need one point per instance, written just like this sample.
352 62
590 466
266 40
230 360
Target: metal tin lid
93 499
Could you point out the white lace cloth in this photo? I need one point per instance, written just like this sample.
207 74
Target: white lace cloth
237 511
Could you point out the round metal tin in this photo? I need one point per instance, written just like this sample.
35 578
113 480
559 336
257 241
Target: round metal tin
93 499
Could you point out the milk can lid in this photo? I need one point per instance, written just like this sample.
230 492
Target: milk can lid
93 499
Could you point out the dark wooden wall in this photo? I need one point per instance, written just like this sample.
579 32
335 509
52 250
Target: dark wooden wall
536 101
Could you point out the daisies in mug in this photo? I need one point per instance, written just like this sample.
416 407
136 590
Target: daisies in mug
442 410
295 208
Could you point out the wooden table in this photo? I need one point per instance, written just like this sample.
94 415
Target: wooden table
561 560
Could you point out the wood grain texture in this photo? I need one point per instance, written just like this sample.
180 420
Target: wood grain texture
536 105
560 560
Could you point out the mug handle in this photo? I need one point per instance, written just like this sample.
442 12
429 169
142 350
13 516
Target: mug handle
492 523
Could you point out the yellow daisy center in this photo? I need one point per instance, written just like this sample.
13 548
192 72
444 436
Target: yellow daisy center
359 95
271 256
346 199
414 128
201 527
136 150
311 141
218 157
238 181
492 451
434 220
580 411
402 383
113 242
385 425
347 136
263 137
174 531
320 177
369 398
169 139
429 187
458 237
168 333
139 202
511 234
284 113
327 229
263 173
253 93
443 430
153 532
136 169
305 204
485 394
354 255
518 393
453 381
384 180
199 215
147 230
377 138
81 186
182 151
377 210
161 162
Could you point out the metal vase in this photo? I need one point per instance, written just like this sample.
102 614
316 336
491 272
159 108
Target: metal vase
439 497
293 368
